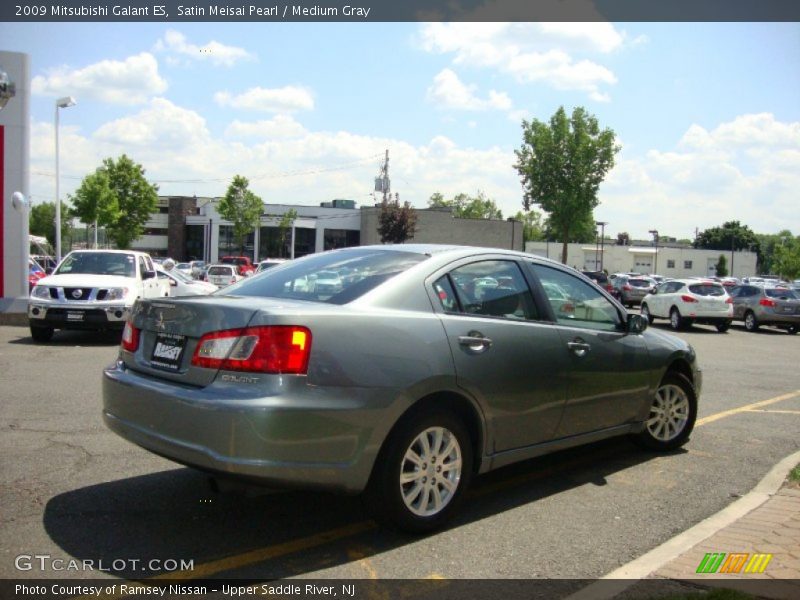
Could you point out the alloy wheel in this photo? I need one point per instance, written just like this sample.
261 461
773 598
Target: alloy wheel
430 471
669 413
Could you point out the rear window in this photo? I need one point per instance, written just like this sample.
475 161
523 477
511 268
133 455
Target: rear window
641 283
220 270
232 260
707 289
331 277
781 293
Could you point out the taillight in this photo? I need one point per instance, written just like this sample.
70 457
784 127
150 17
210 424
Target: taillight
130 338
627 288
268 349
686 298
767 302
729 300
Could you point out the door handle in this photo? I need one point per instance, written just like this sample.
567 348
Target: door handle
579 348
475 341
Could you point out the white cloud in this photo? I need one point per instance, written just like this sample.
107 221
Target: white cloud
129 82
279 100
282 126
448 91
175 44
531 52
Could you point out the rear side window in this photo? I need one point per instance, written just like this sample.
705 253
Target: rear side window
331 277
781 293
707 289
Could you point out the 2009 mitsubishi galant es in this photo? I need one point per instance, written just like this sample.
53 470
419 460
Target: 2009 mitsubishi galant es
427 365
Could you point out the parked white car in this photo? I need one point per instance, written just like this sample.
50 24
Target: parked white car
92 289
181 285
688 301
269 263
222 275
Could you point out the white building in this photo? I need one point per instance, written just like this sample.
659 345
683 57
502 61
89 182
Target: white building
670 261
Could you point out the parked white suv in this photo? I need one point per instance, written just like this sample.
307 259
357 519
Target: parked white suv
92 289
687 301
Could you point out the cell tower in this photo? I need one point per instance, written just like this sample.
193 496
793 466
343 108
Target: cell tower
382 183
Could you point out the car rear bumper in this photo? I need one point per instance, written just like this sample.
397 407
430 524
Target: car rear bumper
773 318
294 440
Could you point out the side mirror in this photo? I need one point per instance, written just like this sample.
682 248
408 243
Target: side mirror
173 283
148 274
636 324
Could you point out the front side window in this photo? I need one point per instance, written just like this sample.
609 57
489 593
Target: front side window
576 303
492 288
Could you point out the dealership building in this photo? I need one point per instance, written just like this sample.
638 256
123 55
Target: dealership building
190 228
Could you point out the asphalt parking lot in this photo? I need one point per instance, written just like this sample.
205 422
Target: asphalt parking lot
73 490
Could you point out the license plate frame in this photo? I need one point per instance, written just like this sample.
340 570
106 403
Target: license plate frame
168 351
75 316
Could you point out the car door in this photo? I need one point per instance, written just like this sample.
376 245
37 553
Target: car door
504 355
608 374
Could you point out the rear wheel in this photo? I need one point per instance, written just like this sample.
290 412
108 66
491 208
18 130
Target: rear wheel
646 314
672 414
422 473
750 321
41 334
675 319
723 326
792 329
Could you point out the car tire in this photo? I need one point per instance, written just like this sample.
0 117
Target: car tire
41 334
675 320
672 415
646 314
723 326
792 329
403 492
750 321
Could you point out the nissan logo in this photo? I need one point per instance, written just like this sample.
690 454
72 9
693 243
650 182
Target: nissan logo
77 293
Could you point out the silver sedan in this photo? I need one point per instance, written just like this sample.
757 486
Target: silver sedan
426 366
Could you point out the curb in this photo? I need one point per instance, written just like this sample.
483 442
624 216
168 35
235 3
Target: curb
639 568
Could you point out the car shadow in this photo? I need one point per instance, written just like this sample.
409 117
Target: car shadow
175 515
71 338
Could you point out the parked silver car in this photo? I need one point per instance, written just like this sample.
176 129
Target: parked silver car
403 381
759 305
631 289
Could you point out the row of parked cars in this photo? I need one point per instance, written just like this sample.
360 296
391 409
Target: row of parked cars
716 301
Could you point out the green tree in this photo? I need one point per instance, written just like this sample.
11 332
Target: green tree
731 236
583 231
767 244
242 208
561 165
623 238
468 207
722 266
94 202
396 223
284 227
787 258
532 228
43 221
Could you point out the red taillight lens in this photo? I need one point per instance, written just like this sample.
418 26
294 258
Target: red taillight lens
130 338
767 302
729 300
627 288
269 349
686 298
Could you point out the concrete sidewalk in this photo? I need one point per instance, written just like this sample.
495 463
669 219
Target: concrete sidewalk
765 521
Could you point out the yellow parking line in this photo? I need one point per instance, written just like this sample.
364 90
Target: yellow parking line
776 412
745 408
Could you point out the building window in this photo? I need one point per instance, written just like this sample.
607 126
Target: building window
305 241
341 238
195 242
228 245
155 231
687 264
670 264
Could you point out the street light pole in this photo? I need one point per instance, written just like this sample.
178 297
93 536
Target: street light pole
64 102
602 225
654 233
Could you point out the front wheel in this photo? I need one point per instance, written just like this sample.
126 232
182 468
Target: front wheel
41 334
646 314
422 473
672 415
792 329
723 326
675 319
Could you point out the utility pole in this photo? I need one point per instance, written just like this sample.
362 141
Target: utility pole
382 183
602 225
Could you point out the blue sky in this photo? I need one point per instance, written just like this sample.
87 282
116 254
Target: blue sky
708 113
